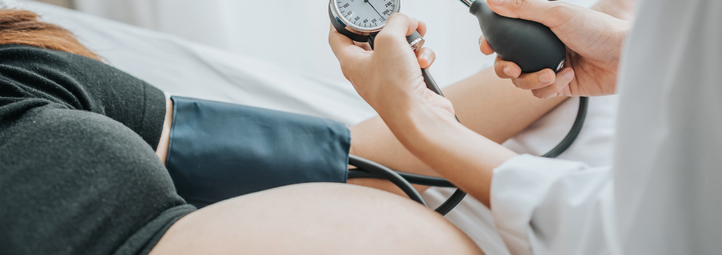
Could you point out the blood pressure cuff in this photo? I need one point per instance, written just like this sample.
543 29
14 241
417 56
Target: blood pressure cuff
218 151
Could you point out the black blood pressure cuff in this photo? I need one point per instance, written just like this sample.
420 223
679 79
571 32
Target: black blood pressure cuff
218 151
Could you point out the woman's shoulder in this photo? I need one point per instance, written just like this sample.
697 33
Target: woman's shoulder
23 55
31 66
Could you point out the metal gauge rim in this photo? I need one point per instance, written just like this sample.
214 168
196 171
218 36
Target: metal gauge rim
350 26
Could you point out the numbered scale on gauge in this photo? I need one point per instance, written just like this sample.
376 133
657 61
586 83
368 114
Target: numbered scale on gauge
367 14
358 19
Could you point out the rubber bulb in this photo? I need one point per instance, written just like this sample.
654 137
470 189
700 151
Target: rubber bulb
529 44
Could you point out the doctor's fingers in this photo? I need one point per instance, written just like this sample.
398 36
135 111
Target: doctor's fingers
506 70
364 45
394 34
538 80
367 47
426 57
344 48
422 28
560 87
484 46
399 24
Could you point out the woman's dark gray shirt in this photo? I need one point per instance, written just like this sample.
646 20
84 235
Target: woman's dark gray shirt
78 172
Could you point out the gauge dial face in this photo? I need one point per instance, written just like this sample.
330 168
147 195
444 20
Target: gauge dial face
365 15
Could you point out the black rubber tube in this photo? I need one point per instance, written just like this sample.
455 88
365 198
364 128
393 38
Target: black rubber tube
388 174
459 194
573 133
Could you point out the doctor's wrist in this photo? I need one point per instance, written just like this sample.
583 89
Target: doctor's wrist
402 107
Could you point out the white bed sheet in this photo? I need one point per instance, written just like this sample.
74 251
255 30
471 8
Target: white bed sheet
227 24
180 67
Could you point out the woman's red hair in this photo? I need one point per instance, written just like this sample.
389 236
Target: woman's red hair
25 28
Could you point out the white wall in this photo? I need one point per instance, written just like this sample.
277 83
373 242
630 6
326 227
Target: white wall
294 33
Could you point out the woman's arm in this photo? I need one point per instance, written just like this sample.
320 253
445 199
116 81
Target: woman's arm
484 103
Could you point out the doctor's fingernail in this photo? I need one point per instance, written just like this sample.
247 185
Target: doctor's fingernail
426 58
496 2
569 75
507 71
545 78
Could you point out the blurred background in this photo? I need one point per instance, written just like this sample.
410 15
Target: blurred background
294 33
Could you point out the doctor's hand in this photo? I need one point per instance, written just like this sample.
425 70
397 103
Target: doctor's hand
594 42
389 77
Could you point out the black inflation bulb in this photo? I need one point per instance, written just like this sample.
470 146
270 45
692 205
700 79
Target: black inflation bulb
529 44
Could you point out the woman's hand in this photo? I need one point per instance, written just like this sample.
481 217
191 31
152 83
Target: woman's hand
593 39
389 77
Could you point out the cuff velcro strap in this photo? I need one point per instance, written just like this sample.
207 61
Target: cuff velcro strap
218 150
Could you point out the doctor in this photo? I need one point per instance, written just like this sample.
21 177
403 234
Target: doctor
660 195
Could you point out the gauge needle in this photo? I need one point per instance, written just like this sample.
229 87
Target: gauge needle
372 6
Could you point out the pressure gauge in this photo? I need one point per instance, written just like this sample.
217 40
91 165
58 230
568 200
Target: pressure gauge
359 19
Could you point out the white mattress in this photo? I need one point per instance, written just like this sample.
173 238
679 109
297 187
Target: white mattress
180 67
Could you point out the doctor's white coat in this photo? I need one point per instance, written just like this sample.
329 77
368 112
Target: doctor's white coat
663 194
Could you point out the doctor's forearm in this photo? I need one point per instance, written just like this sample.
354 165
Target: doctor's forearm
457 153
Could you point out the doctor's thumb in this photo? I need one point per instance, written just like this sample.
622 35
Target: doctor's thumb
550 13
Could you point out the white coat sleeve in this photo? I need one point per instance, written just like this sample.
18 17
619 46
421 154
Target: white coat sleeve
551 206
